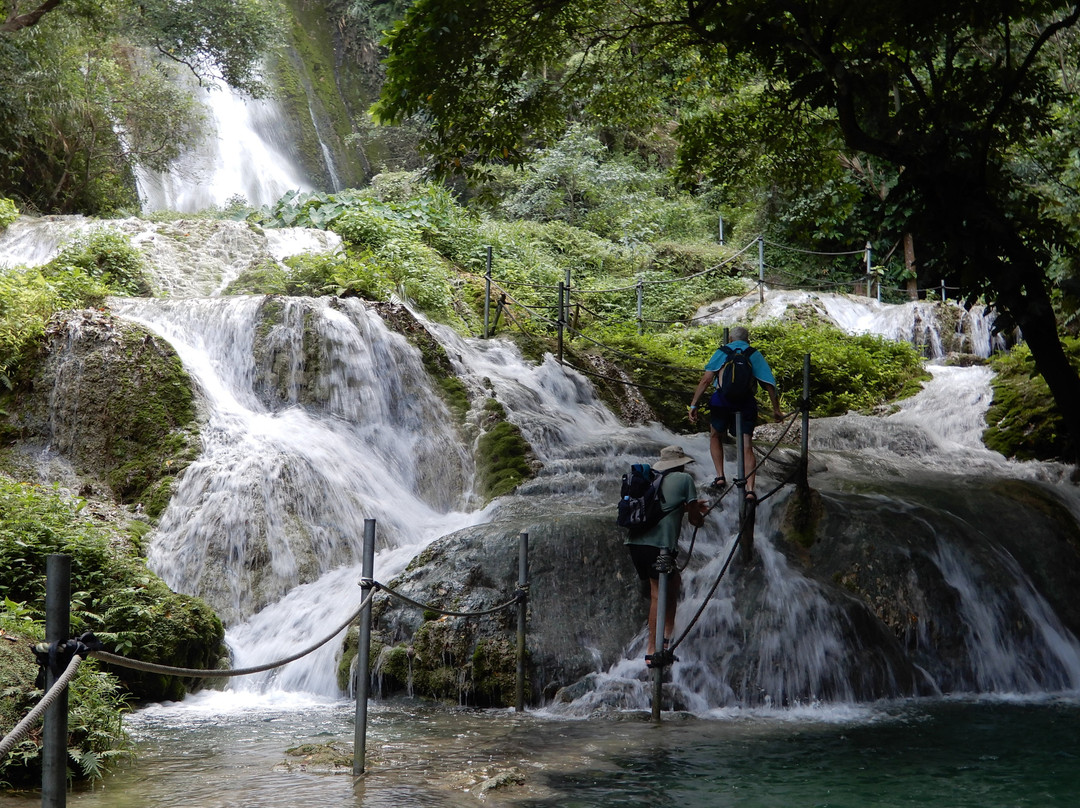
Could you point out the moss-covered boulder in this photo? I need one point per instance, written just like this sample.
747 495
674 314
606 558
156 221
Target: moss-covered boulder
114 400
1023 421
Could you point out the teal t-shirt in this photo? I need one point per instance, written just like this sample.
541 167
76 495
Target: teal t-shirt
678 488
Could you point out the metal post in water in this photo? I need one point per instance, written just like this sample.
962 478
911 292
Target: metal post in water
487 292
804 447
54 739
761 268
747 511
363 651
523 605
560 320
658 638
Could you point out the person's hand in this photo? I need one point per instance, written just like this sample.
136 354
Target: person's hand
695 512
779 416
691 413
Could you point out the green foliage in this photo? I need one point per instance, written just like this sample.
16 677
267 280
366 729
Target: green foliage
28 298
107 256
117 598
503 455
80 112
96 704
9 212
1023 421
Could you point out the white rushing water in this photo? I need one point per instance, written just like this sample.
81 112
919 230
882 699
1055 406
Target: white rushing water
245 153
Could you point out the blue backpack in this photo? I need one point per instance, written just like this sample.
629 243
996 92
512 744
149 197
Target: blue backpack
641 504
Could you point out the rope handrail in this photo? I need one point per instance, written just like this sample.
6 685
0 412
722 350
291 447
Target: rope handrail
428 607
812 252
22 729
153 667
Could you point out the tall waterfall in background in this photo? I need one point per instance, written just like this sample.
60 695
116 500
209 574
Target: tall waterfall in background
246 152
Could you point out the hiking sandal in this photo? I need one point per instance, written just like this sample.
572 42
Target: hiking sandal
719 482
751 497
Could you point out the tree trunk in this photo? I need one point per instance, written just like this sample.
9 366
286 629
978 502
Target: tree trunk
1034 314
909 265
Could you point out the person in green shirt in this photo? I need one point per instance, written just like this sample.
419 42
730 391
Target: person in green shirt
680 496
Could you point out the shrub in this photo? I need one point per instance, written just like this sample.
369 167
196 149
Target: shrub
8 212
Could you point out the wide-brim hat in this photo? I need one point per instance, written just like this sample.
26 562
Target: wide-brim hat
672 457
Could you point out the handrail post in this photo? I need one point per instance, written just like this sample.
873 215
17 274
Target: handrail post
640 304
566 306
560 321
659 657
747 510
487 293
804 446
363 652
522 609
54 739
761 268
869 272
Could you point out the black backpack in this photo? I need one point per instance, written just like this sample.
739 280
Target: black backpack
642 502
735 380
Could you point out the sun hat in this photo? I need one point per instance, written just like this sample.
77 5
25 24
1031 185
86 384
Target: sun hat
672 457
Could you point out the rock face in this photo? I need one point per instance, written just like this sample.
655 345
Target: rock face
914 590
585 604
115 402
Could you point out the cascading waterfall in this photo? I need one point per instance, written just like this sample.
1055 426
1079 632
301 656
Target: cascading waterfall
317 417
246 152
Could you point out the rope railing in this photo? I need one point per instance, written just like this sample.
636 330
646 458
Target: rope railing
439 610
22 730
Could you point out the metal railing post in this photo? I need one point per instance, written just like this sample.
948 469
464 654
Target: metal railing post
804 447
363 652
487 293
54 739
761 268
560 321
658 641
640 301
523 605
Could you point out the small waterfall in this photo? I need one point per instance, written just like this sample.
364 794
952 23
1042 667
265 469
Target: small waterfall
929 326
317 418
245 153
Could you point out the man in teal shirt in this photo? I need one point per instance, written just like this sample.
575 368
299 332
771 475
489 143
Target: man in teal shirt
679 496
722 412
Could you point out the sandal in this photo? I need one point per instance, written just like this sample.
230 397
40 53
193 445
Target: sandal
751 497
719 482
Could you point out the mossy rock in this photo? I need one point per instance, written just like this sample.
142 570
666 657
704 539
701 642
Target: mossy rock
1023 421
504 457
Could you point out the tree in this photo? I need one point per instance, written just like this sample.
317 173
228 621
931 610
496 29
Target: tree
956 97
83 103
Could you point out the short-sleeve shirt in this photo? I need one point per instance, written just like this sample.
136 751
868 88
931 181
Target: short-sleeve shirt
762 371
678 488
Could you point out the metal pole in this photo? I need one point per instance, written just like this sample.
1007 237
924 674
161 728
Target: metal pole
560 321
869 276
363 652
487 292
658 640
523 605
943 298
761 268
746 510
640 300
720 219
54 738
566 303
804 457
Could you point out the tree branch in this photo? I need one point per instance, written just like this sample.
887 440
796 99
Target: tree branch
16 21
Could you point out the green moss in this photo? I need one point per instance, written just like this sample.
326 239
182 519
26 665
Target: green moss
1023 420
503 456
494 672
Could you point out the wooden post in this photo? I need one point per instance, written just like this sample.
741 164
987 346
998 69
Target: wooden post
54 738
363 652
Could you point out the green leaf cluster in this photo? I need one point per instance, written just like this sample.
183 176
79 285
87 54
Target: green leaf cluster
9 212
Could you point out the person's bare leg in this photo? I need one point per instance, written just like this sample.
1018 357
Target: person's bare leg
716 449
674 586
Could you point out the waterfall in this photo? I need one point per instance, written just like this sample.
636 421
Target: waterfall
929 326
246 152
